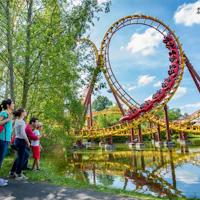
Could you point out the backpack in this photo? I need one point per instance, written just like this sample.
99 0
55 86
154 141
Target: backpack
1 128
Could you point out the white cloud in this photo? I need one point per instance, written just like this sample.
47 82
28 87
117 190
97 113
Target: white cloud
122 47
132 88
150 50
187 14
102 1
187 177
145 42
148 98
157 84
197 105
144 80
79 2
180 92
139 29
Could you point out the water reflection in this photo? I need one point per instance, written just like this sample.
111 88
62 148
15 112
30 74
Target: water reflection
168 172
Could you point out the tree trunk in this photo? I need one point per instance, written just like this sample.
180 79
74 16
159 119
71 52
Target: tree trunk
27 58
10 51
7 86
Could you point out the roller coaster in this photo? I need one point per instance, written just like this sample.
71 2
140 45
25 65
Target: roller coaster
139 113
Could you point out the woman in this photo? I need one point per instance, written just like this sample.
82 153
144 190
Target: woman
7 106
20 142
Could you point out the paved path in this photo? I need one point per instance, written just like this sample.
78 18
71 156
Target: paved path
25 190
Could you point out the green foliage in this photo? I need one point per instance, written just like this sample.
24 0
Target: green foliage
173 113
108 120
57 136
101 103
39 52
111 120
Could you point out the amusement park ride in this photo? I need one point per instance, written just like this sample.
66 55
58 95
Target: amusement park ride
139 113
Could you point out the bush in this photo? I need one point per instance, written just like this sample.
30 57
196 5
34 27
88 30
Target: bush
58 137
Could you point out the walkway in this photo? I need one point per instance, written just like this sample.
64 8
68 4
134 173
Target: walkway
24 190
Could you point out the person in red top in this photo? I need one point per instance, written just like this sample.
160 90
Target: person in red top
31 136
30 127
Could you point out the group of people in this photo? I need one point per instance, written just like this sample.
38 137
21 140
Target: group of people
21 136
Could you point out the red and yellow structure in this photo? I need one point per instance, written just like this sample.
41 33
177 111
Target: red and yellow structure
126 129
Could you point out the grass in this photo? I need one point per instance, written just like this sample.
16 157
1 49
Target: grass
56 174
190 135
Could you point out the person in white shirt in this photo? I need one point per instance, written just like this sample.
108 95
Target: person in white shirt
35 146
21 140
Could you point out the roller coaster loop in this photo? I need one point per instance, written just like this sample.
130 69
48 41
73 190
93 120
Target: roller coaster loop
140 113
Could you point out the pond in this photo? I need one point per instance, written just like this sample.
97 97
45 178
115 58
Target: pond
159 172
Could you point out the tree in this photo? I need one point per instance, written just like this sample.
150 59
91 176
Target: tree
6 43
173 113
185 115
109 120
101 103
39 58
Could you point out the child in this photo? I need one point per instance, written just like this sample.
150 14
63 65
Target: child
35 146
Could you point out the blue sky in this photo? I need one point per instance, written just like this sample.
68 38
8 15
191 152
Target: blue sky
138 56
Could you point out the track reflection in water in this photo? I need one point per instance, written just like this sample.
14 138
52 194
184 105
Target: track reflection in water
160 172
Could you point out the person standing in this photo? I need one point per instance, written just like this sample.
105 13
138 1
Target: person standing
7 106
29 132
35 146
20 142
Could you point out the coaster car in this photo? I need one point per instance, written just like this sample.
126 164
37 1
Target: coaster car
173 72
160 94
174 68
167 39
174 65
147 105
174 57
173 51
132 115
154 101
168 83
171 44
